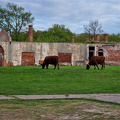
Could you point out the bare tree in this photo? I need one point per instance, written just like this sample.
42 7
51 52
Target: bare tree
93 28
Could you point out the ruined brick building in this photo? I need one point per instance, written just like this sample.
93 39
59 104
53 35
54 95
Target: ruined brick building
33 53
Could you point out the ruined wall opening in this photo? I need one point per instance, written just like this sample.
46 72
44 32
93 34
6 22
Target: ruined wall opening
100 52
91 51
1 56
65 58
28 59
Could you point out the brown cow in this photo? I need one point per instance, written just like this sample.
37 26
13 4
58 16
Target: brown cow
50 60
95 60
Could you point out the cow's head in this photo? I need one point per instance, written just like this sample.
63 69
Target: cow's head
43 66
87 67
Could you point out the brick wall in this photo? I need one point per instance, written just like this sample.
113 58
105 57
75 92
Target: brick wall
65 58
113 52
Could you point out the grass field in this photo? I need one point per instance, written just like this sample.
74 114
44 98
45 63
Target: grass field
67 80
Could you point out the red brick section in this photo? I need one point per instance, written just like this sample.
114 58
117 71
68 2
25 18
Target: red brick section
30 34
28 59
113 55
72 39
106 37
8 63
64 57
92 38
98 37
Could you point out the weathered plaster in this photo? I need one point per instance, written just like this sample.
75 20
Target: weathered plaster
80 52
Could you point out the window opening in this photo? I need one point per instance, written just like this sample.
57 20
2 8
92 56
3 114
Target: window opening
100 52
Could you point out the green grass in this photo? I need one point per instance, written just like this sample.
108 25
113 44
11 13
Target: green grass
67 80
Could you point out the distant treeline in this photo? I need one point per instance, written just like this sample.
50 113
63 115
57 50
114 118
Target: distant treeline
58 33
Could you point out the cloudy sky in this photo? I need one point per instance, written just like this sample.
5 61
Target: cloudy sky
72 13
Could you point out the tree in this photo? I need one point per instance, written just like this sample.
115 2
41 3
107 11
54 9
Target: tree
63 34
93 28
114 38
57 33
81 38
14 19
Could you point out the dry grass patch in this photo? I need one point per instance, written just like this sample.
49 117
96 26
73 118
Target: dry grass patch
59 110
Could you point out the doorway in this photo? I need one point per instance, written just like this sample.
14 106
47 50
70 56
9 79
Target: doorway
91 51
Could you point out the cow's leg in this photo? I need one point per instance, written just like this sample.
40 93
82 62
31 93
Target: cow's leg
58 66
94 67
47 66
103 66
97 65
54 66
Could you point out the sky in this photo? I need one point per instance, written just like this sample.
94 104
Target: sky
74 14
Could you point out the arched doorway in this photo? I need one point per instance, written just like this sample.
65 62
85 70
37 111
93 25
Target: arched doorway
100 52
1 56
